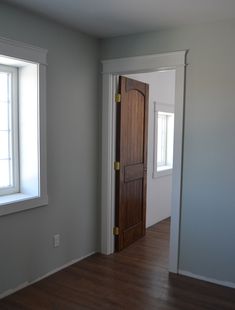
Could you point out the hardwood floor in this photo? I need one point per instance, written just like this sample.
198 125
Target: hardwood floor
136 278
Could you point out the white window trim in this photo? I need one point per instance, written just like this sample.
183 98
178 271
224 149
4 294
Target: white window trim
140 64
162 173
19 202
159 107
20 50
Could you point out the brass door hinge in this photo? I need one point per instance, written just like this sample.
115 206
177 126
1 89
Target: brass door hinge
116 165
118 98
116 231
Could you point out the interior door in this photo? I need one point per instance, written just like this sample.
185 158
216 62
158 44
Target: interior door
131 162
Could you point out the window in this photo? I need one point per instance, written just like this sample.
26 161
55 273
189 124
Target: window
23 183
165 138
9 168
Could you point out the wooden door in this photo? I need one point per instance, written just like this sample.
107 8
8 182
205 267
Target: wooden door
131 157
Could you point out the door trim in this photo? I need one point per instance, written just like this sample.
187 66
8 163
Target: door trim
110 70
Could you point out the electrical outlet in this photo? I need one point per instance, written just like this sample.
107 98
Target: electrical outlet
56 240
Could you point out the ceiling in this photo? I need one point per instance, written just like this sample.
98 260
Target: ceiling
106 18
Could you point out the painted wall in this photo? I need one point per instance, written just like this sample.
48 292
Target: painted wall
161 91
208 200
26 238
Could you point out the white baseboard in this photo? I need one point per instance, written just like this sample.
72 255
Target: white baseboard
27 283
211 280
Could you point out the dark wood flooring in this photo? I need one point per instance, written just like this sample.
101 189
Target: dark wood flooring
136 278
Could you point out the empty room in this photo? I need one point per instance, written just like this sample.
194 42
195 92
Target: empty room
117 154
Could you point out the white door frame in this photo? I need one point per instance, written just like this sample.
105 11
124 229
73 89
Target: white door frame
110 70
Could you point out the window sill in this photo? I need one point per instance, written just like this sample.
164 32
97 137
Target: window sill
162 172
20 202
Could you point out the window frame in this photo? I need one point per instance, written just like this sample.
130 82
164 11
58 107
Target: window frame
165 169
21 52
15 132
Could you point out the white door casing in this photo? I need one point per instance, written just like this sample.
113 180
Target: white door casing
141 64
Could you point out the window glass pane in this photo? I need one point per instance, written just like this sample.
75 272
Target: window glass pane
4 86
161 140
4 119
165 140
4 145
5 173
170 139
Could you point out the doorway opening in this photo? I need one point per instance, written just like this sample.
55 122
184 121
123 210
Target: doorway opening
160 143
136 65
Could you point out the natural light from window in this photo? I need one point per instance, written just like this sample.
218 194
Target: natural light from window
165 139
8 130
23 177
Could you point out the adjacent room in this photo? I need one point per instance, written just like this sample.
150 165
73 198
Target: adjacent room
160 143
117 154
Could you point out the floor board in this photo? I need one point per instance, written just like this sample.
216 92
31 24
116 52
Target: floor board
136 278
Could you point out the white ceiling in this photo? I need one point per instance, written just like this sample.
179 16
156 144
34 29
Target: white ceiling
105 18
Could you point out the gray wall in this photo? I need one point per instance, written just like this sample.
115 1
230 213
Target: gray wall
208 201
26 248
